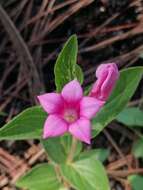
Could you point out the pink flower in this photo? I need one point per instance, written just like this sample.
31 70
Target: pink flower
69 112
107 75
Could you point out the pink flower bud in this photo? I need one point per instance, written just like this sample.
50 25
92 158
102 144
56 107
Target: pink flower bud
107 75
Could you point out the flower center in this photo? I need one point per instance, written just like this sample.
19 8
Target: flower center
70 115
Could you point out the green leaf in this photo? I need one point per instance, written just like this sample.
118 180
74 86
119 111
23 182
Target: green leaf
137 148
87 90
132 117
26 125
59 147
136 182
41 177
125 88
86 174
66 68
99 154
79 74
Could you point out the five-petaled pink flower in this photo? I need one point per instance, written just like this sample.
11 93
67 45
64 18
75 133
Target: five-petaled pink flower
70 111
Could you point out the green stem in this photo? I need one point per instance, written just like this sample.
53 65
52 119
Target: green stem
69 160
72 151
61 178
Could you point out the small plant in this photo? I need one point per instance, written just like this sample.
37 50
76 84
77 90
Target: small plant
67 117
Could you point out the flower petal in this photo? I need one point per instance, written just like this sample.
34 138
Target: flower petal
51 102
72 91
89 106
81 130
107 75
54 126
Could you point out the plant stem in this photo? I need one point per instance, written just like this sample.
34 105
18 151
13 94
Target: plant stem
61 178
72 151
69 160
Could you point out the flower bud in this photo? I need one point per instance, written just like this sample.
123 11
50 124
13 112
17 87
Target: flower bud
107 75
